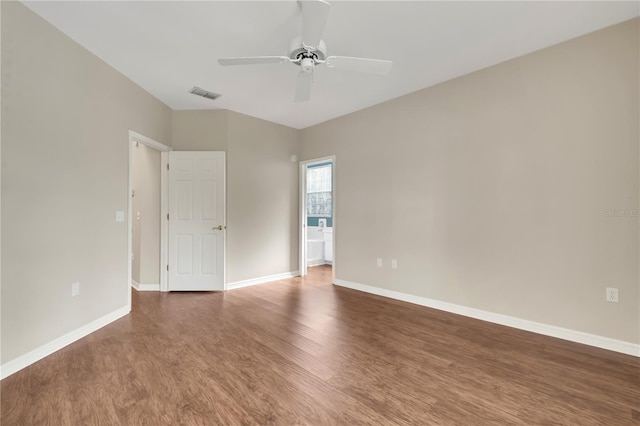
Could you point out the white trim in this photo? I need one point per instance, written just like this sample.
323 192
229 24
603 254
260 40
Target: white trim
224 219
164 224
144 287
137 137
522 324
302 249
334 192
37 354
316 262
130 221
262 280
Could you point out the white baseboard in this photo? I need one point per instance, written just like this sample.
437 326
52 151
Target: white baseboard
522 324
261 280
37 354
144 287
316 262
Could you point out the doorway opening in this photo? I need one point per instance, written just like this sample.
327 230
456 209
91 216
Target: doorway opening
317 218
147 232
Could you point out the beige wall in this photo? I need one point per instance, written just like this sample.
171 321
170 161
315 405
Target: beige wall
262 185
200 130
262 196
491 190
65 122
146 215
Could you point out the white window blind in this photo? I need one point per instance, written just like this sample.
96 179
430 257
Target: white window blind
319 179
319 197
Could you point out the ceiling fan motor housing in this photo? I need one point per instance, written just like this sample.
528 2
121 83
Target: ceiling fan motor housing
299 52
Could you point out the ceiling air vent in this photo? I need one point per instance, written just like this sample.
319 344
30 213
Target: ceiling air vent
201 92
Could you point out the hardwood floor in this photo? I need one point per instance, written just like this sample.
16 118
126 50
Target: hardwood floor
302 351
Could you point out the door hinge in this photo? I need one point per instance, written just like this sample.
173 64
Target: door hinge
167 166
167 216
167 267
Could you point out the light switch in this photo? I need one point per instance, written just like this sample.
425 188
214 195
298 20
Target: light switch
119 216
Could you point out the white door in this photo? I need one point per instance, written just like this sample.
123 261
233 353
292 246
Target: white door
196 220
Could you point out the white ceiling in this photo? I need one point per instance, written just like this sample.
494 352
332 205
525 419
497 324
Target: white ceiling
167 47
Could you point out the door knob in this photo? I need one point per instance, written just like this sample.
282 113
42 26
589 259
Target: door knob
219 228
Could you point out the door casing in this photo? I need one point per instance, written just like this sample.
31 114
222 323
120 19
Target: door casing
302 252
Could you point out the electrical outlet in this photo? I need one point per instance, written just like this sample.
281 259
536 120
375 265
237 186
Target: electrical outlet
394 264
612 294
75 289
379 263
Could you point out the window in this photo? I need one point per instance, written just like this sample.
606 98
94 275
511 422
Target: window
319 196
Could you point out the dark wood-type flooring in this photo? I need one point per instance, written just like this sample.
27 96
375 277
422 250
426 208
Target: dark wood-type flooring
302 351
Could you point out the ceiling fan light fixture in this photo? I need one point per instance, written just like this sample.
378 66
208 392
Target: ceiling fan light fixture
204 93
307 65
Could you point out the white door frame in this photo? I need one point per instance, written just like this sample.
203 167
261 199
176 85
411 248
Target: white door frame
134 138
302 259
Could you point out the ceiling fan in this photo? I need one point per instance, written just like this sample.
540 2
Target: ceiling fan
309 50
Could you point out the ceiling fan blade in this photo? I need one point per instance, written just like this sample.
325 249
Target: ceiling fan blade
303 87
371 66
314 19
253 60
